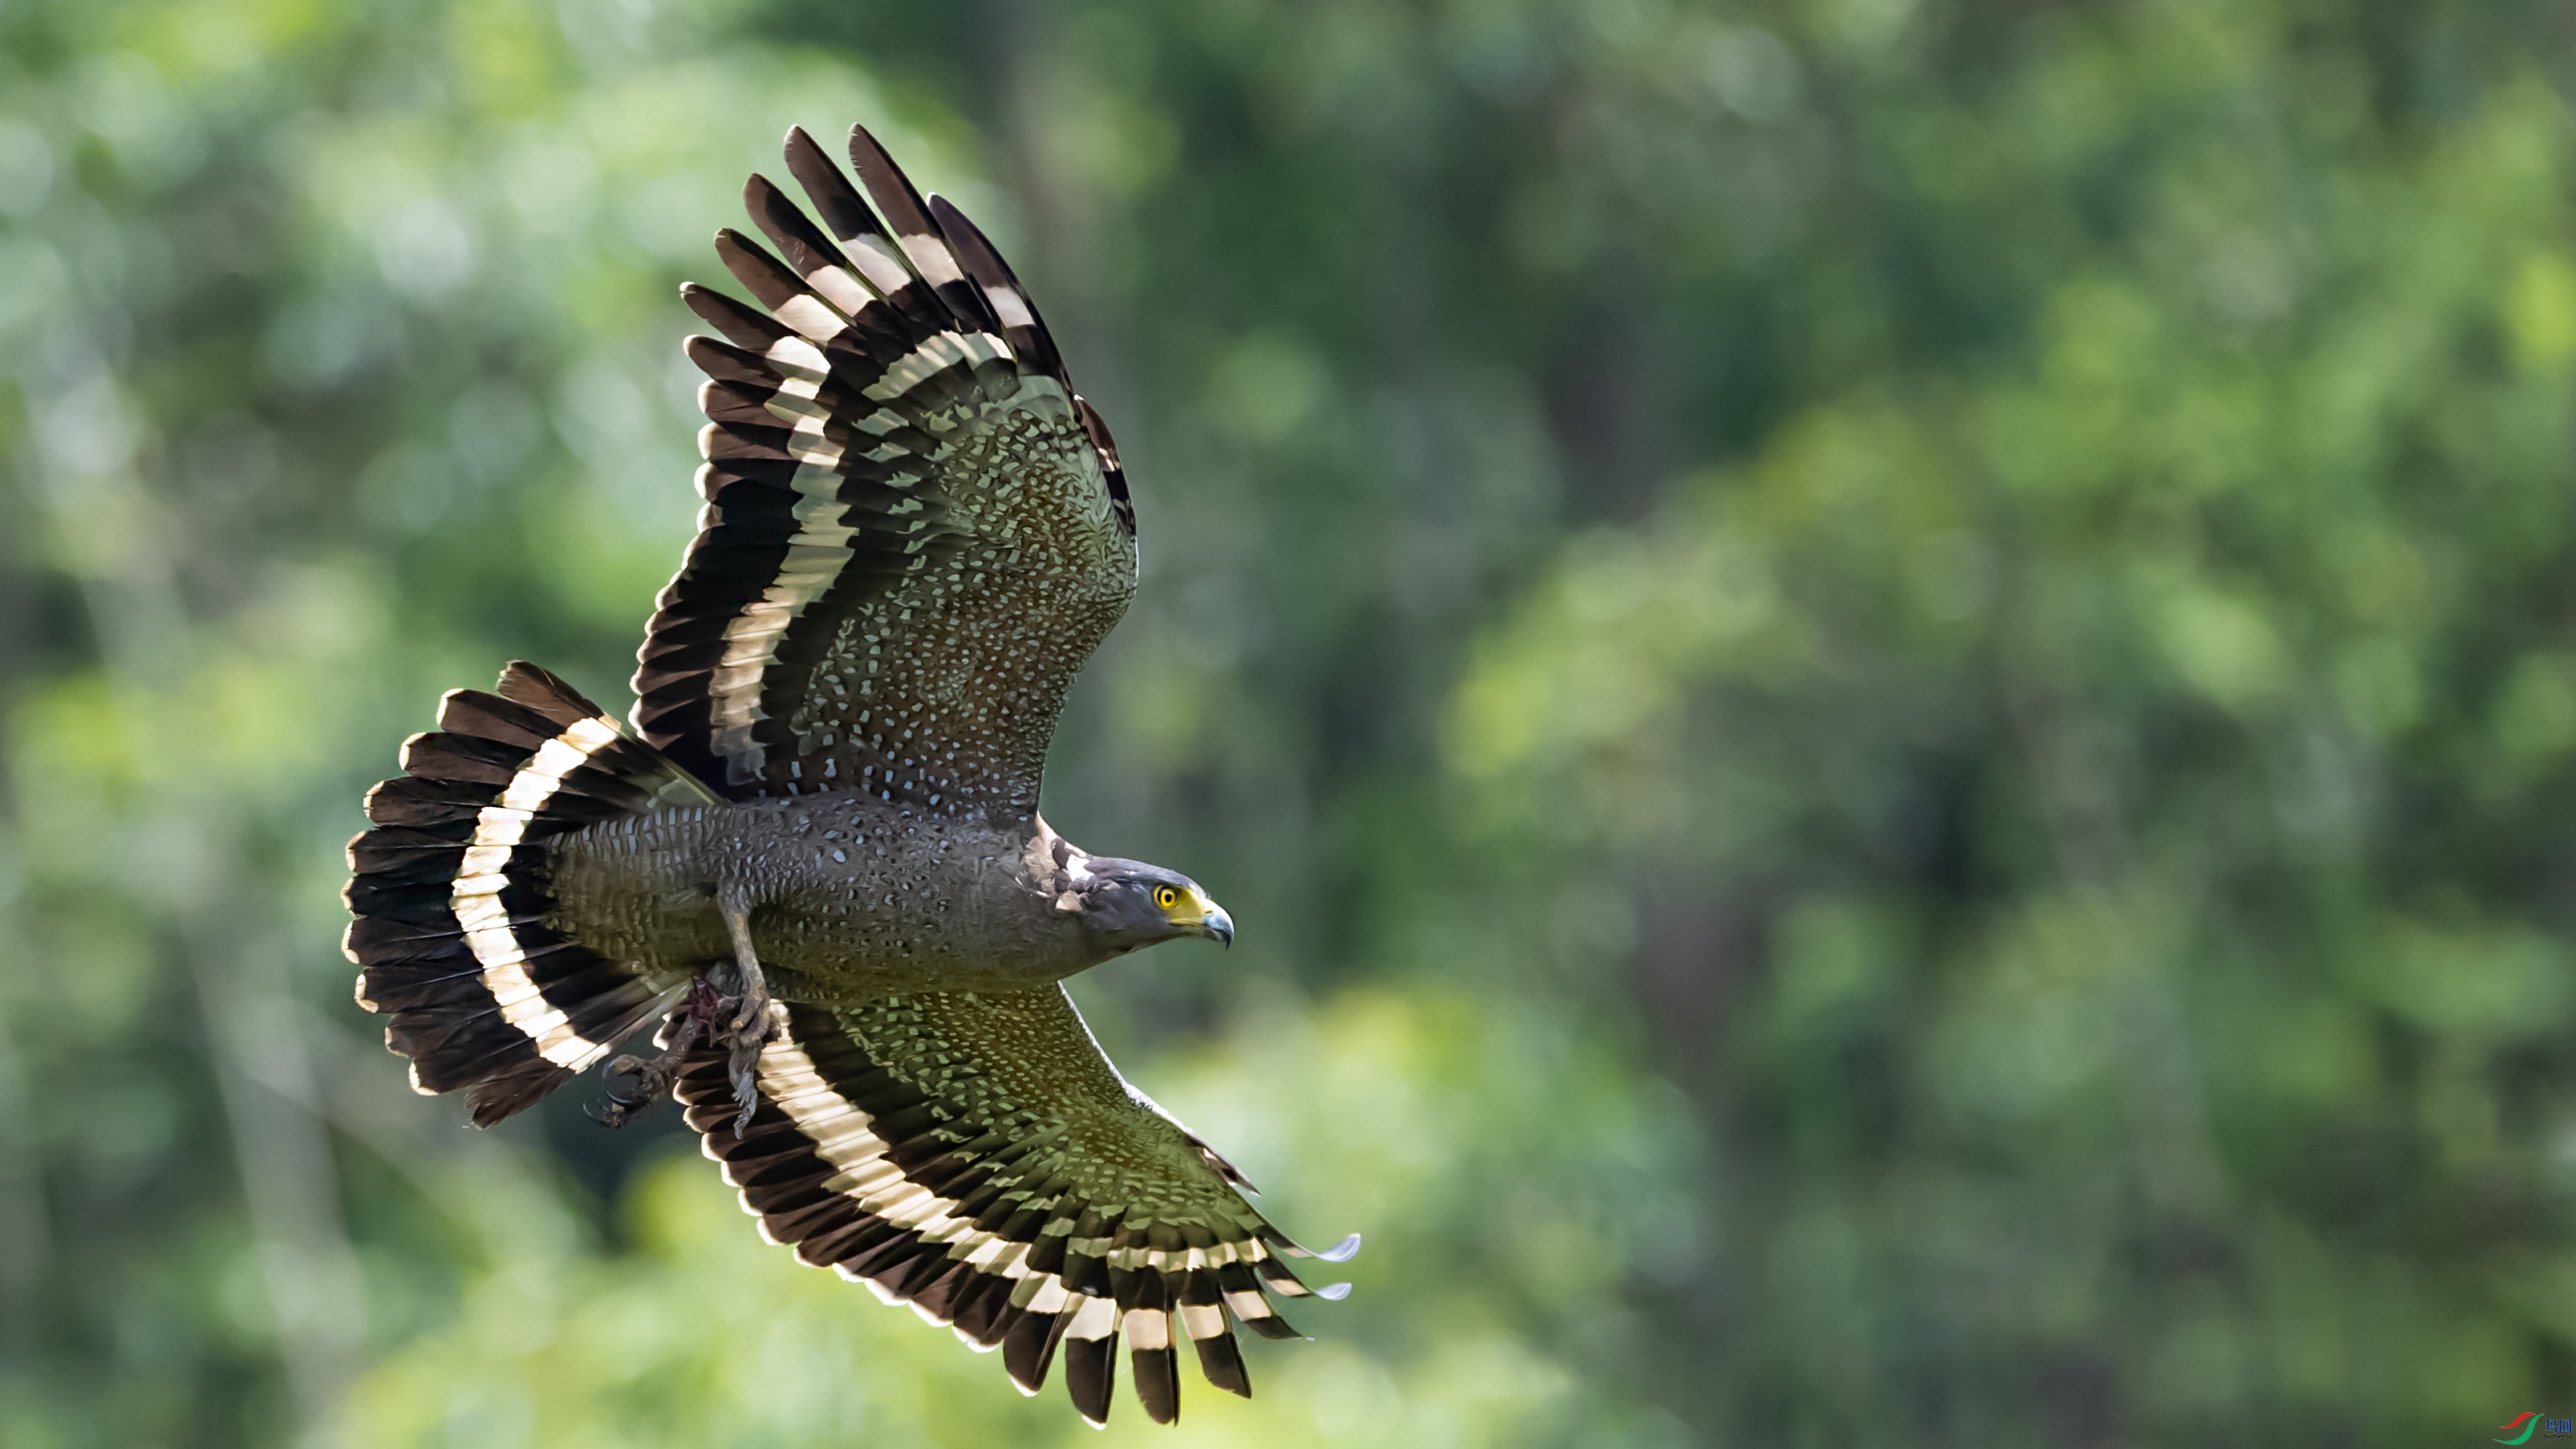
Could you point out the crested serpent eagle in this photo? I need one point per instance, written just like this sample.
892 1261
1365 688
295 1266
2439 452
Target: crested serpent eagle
813 855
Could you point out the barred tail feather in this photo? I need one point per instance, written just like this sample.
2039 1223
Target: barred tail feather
449 893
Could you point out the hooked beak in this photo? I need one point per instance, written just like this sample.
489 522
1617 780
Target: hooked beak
1216 925
1199 916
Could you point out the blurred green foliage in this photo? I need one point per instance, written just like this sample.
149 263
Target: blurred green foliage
1888 690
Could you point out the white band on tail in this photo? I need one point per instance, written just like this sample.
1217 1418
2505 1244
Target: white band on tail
475 895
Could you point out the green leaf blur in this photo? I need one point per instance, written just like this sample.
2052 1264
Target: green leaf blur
1887 690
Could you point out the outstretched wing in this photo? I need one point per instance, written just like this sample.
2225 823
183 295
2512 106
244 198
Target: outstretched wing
914 532
976 1156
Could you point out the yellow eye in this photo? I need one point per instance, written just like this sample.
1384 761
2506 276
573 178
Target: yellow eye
1165 898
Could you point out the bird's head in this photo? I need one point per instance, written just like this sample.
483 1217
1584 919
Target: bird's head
1126 904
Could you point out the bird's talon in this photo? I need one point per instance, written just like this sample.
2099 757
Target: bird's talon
654 1074
746 1091
747 1028
749 1012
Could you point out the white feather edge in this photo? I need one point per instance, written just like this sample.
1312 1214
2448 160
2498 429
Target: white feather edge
838 1130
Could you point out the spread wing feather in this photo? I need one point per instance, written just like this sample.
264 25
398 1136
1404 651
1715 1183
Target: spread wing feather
914 533
977 1157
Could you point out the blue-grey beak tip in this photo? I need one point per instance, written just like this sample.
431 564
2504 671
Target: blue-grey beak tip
1219 927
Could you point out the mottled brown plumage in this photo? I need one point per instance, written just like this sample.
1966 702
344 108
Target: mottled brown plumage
817 858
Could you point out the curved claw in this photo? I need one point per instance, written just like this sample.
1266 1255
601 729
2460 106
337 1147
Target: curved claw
653 1075
744 1069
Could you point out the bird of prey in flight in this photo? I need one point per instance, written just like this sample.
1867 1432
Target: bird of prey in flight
812 855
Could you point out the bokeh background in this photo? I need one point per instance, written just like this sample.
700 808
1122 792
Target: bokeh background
1887 687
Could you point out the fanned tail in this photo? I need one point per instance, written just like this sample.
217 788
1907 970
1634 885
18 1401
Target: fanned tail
450 892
